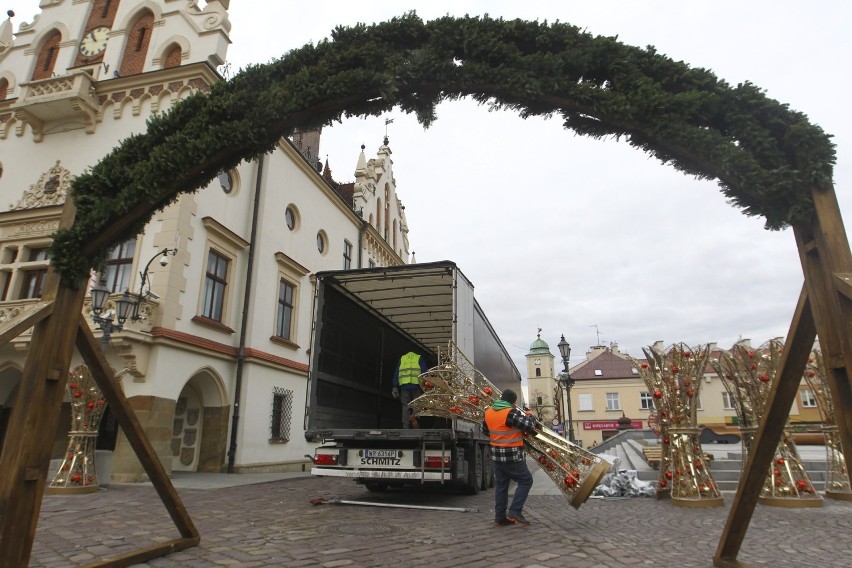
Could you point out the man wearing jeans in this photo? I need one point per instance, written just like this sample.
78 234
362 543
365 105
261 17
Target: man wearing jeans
505 426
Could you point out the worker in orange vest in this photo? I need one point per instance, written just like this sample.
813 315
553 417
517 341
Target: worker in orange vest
406 384
505 426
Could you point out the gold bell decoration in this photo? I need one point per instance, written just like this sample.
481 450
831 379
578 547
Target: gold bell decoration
837 485
455 389
674 379
77 473
748 373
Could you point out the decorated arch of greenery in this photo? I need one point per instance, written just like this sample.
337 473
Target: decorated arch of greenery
765 157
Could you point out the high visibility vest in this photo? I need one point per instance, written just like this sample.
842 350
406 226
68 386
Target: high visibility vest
409 369
501 434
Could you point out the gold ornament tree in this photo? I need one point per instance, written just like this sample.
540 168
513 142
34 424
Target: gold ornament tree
77 472
455 389
674 379
748 374
837 485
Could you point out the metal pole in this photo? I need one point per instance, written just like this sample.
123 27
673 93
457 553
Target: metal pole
570 416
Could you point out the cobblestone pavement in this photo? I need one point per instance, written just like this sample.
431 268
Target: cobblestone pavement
275 524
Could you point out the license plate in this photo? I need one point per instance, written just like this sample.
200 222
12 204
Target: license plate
380 453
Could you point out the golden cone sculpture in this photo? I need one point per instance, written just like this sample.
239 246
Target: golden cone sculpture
837 485
674 379
76 473
748 373
455 389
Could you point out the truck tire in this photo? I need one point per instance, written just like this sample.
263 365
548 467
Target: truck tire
487 468
474 471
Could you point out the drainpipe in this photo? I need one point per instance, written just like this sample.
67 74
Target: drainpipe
238 385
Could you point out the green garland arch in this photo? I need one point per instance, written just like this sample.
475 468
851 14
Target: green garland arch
766 157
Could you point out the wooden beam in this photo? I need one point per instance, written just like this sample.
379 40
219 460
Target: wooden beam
35 417
800 341
843 285
11 329
32 427
104 376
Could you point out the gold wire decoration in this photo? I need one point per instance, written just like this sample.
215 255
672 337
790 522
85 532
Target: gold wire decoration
837 485
77 473
455 389
747 374
674 379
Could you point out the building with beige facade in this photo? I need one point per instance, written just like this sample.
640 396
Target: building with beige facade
215 365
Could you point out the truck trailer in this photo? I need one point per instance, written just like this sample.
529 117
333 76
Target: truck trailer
364 321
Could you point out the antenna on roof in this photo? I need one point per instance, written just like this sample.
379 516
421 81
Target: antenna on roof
597 333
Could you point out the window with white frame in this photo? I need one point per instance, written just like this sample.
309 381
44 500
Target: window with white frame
23 269
34 276
808 399
727 400
585 400
613 401
347 255
290 274
284 318
223 248
215 285
282 415
119 266
646 401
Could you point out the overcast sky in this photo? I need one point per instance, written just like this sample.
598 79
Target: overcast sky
588 238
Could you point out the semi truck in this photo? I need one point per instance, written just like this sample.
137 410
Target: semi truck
364 321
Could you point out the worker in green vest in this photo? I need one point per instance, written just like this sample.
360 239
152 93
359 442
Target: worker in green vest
406 384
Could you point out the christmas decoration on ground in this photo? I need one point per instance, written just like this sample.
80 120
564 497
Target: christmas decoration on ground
837 485
623 483
455 389
77 473
674 379
748 373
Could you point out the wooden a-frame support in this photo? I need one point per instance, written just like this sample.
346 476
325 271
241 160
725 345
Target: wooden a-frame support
59 325
825 310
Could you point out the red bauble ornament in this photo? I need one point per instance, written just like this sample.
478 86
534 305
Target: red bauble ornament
666 441
751 354
780 461
644 365
549 466
669 475
658 393
428 385
570 481
811 373
801 484
454 409
690 392
474 400
777 472
699 464
575 474
686 354
553 453
764 378
663 483
675 369
542 459
77 394
753 366
686 382
487 390
586 461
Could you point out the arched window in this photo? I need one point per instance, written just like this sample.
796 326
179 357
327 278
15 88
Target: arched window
4 89
379 215
136 50
172 58
47 56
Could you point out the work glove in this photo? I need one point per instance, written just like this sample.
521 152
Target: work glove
395 392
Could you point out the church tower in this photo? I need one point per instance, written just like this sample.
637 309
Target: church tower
541 380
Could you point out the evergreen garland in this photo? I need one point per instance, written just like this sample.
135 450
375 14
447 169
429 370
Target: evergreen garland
766 157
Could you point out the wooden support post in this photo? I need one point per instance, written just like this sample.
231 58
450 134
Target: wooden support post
798 347
35 416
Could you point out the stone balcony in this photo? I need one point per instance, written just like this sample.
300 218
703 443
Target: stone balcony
57 104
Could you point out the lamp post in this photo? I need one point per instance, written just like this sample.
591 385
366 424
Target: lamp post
127 306
565 351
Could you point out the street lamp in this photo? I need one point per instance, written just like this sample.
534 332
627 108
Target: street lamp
127 306
565 351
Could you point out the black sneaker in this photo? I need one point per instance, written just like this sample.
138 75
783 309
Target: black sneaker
520 519
504 522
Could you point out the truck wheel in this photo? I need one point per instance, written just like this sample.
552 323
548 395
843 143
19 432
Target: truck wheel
487 468
376 486
474 471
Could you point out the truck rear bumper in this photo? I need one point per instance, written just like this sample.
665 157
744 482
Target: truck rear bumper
383 474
